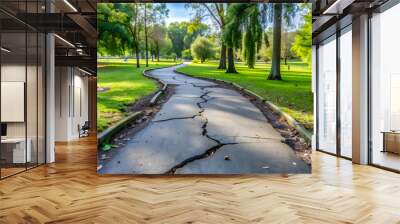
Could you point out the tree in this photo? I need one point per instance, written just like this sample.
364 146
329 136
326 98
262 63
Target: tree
217 12
186 54
177 32
153 14
265 52
167 49
275 73
287 43
113 38
194 28
146 35
232 34
253 36
119 28
158 39
243 16
135 33
303 40
287 11
202 49
182 34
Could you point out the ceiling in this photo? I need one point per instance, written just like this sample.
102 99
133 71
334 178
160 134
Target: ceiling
328 15
74 22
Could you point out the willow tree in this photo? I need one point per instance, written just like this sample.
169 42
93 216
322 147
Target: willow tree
252 39
260 15
244 17
232 34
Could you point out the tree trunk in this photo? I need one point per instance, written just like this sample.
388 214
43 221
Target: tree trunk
158 52
275 73
137 56
152 56
231 61
145 34
136 38
222 60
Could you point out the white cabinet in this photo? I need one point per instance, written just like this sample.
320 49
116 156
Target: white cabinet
19 154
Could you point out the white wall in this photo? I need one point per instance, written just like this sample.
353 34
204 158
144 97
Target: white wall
71 87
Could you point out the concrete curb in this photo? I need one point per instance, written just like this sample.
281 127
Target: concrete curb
105 136
307 135
159 93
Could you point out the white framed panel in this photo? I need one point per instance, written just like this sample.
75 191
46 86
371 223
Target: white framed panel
12 101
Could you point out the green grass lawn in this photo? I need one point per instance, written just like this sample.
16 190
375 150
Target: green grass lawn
293 94
126 85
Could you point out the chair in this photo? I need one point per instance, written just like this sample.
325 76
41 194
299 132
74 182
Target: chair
84 130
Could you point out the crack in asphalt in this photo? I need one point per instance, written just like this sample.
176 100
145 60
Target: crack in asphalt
210 151
219 144
202 87
176 118
199 114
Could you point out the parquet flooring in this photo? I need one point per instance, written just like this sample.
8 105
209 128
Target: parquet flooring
70 191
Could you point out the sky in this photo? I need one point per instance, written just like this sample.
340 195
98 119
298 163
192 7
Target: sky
178 13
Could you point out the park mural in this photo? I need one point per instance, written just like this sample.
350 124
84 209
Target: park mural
204 88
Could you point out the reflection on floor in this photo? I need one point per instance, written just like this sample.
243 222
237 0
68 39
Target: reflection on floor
70 191
10 171
387 159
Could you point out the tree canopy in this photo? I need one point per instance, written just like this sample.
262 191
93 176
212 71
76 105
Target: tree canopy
202 49
245 32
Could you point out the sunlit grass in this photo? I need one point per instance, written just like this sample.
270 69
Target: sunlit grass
125 84
293 94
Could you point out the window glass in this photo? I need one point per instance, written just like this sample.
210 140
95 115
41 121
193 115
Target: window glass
346 93
327 95
385 88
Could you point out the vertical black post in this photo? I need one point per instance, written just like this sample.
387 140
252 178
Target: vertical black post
338 73
369 90
37 89
316 120
0 93
45 95
26 86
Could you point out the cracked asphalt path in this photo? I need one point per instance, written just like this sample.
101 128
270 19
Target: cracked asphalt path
204 129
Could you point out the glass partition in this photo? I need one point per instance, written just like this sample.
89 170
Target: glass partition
385 89
346 92
327 95
15 152
32 97
22 91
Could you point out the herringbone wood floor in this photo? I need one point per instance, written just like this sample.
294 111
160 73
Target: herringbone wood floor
70 191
